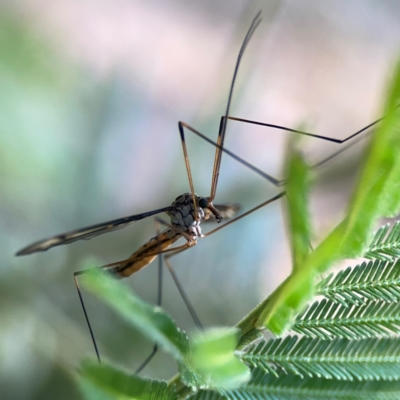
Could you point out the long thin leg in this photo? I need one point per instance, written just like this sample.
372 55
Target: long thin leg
189 174
224 120
159 301
159 296
270 178
182 290
219 145
178 284
270 200
96 349
283 128
342 149
221 134
281 194
327 138
147 360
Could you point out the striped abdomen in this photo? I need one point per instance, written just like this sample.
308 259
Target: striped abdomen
139 258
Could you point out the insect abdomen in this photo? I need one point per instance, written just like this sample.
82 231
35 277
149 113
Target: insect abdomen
139 260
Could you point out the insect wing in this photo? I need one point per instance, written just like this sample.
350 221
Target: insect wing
227 210
86 233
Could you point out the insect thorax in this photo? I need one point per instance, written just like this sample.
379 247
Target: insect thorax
183 214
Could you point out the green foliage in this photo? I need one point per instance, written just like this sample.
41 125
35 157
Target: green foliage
288 387
208 360
373 281
152 322
341 359
350 335
297 193
106 382
326 319
376 195
385 246
213 357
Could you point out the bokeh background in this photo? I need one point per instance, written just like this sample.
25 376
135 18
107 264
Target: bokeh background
90 96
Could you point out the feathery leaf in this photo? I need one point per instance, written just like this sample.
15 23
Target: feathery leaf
290 387
385 246
342 359
373 281
325 319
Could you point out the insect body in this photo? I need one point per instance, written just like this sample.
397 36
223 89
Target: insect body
185 220
186 213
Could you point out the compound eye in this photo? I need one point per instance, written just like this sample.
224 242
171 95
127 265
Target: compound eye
203 202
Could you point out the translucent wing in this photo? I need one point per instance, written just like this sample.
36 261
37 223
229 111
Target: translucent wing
86 233
227 210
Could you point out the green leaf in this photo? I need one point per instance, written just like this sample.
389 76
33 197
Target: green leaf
286 301
377 195
213 358
154 323
385 246
289 387
326 319
373 281
104 382
342 359
297 193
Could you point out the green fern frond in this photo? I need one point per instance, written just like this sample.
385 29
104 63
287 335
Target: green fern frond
385 246
289 387
341 359
325 319
207 395
373 281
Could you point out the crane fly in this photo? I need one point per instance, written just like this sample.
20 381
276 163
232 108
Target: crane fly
186 213
188 210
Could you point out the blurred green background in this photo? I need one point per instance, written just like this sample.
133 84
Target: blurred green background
90 96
